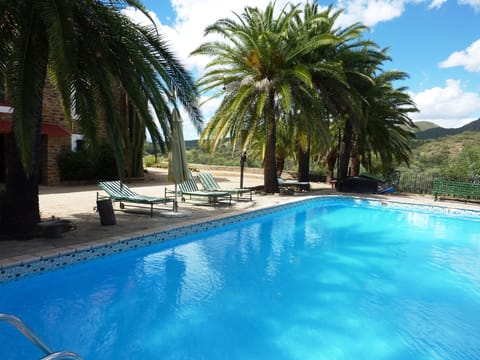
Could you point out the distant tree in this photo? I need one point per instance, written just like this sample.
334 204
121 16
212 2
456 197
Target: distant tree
464 166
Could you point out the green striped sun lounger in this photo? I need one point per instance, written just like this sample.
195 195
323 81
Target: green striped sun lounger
189 188
209 183
119 192
293 184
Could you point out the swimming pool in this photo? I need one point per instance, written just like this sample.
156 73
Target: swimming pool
328 279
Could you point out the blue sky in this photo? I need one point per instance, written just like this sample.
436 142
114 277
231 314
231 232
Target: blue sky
436 42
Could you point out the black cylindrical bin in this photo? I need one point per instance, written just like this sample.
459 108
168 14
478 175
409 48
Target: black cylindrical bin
105 210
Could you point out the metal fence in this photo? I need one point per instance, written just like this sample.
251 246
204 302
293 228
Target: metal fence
423 184
415 183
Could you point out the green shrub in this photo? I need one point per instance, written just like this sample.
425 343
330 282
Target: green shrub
87 165
105 166
76 165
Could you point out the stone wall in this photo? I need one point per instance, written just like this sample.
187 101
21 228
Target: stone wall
52 111
55 145
53 114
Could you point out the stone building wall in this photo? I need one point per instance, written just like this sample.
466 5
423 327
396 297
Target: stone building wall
55 145
52 113
54 140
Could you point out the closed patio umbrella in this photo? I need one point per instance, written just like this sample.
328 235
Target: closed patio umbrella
177 157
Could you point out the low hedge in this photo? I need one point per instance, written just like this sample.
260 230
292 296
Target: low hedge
88 165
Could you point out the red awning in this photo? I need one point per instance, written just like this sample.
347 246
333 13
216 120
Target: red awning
47 129
54 130
5 127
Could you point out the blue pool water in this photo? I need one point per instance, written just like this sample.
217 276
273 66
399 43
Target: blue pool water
327 280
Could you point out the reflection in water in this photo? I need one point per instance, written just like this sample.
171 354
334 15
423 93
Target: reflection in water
188 278
174 279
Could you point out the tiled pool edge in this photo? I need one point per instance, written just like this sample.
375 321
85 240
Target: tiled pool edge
84 253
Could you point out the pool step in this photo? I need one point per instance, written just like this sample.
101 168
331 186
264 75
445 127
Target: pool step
35 339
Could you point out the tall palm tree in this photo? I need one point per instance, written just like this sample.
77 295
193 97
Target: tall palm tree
90 52
257 70
332 69
345 75
388 129
359 60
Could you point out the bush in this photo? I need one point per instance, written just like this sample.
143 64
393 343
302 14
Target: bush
87 165
105 166
318 176
464 166
76 165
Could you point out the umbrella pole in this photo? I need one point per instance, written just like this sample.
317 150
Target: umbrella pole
175 203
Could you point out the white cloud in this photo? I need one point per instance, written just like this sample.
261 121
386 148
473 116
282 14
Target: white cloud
475 4
139 17
437 4
369 12
448 106
468 58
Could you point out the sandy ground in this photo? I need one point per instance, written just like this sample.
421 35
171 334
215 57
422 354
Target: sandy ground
78 203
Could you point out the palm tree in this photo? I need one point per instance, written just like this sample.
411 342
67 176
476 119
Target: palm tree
260 76
351 93
91 53
332 69
359 61
388 129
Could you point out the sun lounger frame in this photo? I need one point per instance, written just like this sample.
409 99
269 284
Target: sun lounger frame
190 189
210 184
293 184
119 192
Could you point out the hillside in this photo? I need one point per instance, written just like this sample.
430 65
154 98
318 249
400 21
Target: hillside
191 144
425 125
447 145
438 132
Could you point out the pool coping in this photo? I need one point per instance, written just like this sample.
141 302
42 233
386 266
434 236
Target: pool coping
64 257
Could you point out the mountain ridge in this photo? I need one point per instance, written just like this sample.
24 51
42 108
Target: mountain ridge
428 130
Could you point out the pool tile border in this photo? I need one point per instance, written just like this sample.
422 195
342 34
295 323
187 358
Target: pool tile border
32 265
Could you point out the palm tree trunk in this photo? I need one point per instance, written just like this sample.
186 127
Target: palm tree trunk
270 163
135 142
347 148
331 162
303 158
21 209
280 161
355 160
